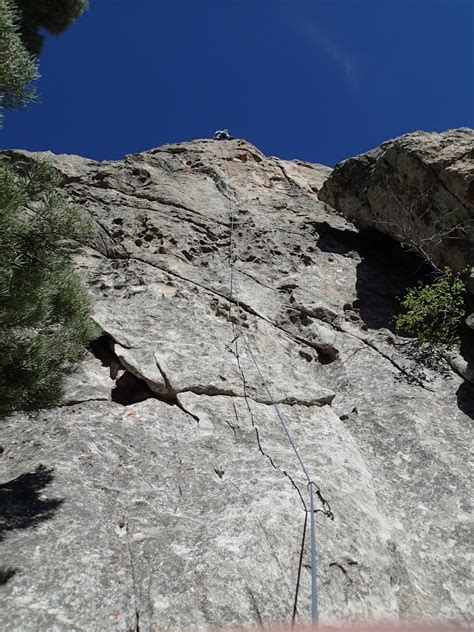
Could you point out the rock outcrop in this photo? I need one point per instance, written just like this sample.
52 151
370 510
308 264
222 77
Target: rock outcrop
163 493
419 189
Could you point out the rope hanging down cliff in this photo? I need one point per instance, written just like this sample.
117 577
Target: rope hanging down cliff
311 485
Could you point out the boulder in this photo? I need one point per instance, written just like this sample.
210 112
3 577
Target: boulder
419 189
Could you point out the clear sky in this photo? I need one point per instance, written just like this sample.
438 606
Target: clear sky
319 80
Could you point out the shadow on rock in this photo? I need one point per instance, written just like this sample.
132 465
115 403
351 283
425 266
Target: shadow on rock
465 395
22 505
467 345
6 574
384 273
336 240
129 389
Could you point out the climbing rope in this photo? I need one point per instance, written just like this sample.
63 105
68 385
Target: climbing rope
311 485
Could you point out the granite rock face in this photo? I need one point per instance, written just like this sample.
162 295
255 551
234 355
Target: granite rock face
163 493
419 189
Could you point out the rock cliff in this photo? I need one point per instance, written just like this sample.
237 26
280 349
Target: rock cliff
163 493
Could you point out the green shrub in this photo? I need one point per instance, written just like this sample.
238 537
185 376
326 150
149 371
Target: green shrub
434 311
44 309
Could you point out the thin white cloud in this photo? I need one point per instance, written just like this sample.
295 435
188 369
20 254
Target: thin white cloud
336 53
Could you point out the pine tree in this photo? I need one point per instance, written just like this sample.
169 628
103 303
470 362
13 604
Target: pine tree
21 22
18 68
52 15
44 310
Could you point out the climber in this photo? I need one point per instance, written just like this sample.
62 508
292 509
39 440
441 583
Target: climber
222 134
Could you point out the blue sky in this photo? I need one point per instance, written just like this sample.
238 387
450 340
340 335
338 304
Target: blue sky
319 80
